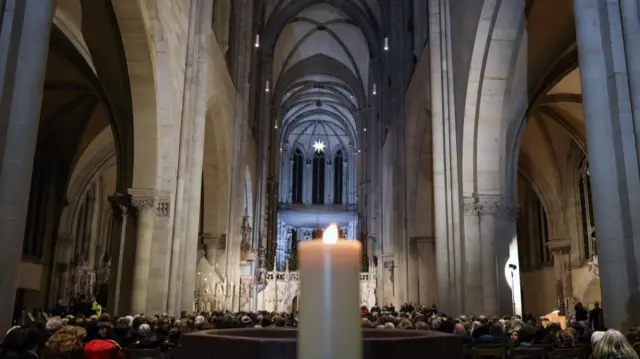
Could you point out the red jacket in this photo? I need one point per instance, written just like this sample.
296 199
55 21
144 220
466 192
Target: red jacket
102 349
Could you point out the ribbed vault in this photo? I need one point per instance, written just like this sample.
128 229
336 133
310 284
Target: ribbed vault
321 65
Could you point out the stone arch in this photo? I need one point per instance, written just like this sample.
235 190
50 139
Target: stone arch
282 15
137 42
591 292
489 86
552 204
566 63
216 172
418 145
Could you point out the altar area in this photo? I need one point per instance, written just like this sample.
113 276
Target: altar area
276 292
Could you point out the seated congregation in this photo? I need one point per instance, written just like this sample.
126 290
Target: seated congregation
103 336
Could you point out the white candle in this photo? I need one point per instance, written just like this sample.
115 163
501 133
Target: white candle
330 324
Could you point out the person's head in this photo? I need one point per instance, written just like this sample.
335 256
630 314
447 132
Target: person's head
103 329
459 329
613 344
60 302
144 330
13 339
405 324
66 339
513 335
53 324
596 304
596 336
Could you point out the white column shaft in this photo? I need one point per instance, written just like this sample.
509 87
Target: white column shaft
611 135
24 45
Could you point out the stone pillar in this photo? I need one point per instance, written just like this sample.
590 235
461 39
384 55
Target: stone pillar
473 296
24 45
143 254
613 154
214 249
145 203
413 271
120 282
489 230
561 250
426 270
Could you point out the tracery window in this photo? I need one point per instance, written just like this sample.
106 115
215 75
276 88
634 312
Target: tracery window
296 177
338 171
586 212
317 194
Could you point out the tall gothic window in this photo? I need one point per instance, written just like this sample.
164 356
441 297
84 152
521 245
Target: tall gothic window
586 211
338 171
317 196
296 177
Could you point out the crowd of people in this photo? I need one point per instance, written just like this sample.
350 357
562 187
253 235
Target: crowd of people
81 330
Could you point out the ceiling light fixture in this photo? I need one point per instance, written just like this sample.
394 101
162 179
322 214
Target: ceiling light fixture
365 129
257 44
375 91
266 88
386 44
318 146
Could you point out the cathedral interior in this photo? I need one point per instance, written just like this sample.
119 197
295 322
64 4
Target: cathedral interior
170 155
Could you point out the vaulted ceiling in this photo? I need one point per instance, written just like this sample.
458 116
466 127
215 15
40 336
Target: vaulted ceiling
321 70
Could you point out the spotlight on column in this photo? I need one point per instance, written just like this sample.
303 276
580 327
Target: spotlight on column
266 87
257 44
275 126
386 44
359 150
365 129
375 89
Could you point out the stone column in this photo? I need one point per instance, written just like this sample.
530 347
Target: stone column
145 205
120 282
561 250
613 154
426 270
24 45
413 271
473 296
214 249
489 230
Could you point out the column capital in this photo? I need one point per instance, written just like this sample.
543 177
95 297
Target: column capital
214 242
559 246
489 205
121 204
149 199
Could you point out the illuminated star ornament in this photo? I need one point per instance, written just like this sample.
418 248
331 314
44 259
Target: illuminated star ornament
318 146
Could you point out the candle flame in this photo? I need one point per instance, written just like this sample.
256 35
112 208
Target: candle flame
330 235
